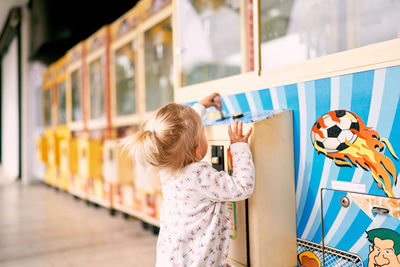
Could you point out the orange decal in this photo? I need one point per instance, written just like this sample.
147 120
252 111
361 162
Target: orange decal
309 259
352 141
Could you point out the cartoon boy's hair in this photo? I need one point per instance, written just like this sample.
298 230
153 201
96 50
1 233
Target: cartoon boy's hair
383 233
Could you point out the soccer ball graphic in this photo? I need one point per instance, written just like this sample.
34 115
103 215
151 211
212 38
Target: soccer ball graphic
330 131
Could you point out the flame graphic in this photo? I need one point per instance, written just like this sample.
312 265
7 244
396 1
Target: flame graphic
363 152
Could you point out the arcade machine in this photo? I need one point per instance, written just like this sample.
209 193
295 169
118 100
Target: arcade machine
159 91
124 92
99 127
263 228
49 121
78 184
62 131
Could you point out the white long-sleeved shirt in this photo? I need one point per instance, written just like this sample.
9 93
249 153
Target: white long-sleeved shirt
194 220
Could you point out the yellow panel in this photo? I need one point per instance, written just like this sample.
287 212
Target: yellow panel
42 149
64 165
73 155
95 152
125 166
83 155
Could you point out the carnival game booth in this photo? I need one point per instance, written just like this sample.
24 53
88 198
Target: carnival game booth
141 37
124 95
340 79
98 113
61 129
76 122
50 138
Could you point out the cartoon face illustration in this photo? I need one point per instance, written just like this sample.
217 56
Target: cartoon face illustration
342 136
308 259
385 249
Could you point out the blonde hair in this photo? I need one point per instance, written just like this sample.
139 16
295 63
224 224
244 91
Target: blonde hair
168 139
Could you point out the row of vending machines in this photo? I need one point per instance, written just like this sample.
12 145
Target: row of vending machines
101 172
97 94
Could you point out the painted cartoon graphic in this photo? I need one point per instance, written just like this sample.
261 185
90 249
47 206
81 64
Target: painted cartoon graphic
385 249
342 136
308 259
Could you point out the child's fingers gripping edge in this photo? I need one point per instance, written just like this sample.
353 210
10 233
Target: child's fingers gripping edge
247 135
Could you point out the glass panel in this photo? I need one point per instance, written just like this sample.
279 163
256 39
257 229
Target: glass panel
47 107
296 30
96 76
209 39
62 112
158 64
76 91
125 78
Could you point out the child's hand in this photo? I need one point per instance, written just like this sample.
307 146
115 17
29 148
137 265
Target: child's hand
212 100
236 132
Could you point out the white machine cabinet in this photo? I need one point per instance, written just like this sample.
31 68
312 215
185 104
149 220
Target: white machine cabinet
263 228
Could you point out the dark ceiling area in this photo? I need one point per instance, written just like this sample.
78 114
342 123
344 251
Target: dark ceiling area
56 26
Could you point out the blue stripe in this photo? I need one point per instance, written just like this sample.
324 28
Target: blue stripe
355 230
346 86
326 200
360 103
362 93
266 100
235 103
243 104
257 101
367 179
345 89
224 108
310 120
322 105
386 126
347 226
292 100
280 92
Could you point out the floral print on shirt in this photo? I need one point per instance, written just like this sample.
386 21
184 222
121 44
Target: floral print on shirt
194 221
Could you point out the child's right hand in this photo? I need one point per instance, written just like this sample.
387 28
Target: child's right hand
236 133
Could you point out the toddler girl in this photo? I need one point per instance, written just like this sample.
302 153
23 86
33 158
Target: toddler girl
194 219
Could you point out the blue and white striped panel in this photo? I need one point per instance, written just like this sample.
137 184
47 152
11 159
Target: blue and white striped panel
374 97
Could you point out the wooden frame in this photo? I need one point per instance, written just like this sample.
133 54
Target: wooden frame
243 45
379 55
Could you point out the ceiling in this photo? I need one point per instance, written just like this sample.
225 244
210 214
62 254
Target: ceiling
56 26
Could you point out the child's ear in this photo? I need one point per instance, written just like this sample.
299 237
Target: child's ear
197 152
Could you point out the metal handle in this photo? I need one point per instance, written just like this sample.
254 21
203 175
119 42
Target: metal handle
380 211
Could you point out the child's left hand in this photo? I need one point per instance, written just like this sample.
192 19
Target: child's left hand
212 100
